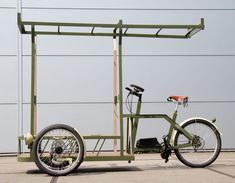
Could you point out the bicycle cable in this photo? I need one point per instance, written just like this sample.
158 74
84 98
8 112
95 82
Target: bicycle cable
129 103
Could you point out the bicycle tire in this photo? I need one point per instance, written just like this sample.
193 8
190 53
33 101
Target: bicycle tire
201 150
57 159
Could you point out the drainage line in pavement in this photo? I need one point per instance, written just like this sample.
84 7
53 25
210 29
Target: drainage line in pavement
54 179
221 173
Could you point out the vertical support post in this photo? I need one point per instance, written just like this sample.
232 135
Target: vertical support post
20 82
115 116
120 87
128 140
33 83
135 122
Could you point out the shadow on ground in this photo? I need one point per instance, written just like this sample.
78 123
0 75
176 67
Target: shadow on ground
107 169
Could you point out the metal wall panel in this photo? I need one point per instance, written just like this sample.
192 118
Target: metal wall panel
64 97
8 79
74 71
8 130
8 36
7 4
132 4
89 78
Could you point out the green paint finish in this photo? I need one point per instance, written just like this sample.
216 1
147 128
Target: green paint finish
21 158
33 81
173 126
135 122
120 88
115 26
157 150
100 137
109 158
190 30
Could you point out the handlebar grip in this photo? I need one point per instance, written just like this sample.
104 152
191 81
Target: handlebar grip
128 89
132 92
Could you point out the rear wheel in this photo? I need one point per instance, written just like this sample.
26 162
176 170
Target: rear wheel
58 150
206 144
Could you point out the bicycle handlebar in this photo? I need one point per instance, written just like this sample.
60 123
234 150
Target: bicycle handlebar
137 88
128 89
132 92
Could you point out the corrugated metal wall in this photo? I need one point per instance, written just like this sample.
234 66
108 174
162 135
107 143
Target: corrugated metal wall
75 73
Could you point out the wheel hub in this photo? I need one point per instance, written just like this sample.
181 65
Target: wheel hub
58 150
198 142
57 147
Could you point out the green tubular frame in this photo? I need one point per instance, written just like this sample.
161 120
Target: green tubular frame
119 30
173 126
120 88
134 120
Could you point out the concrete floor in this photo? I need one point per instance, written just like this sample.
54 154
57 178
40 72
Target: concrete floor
147 168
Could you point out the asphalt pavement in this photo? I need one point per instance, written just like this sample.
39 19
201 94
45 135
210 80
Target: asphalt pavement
147 168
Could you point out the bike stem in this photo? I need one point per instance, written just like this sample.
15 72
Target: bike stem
176 107
175 112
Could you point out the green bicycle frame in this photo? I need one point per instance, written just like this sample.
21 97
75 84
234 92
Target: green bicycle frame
134 119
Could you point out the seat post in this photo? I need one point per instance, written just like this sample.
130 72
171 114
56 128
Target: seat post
176 107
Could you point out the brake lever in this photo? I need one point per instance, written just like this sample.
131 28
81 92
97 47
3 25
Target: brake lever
130 91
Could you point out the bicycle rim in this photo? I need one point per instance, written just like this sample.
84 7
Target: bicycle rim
58 151
206 146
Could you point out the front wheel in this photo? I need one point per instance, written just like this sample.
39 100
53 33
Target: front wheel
205 147
58 150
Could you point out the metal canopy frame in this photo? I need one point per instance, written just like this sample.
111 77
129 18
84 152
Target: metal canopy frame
190 29
119 31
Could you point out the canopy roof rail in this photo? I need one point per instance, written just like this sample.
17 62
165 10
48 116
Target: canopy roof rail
190 30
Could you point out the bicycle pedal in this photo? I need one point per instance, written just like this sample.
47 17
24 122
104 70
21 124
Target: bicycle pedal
165 155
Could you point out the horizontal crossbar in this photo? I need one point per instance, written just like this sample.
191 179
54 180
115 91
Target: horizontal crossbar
100 137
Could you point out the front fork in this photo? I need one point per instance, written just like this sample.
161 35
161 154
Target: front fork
135 122
166 149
